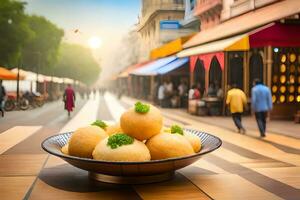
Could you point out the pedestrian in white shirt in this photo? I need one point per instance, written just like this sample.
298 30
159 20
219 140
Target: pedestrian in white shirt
161 94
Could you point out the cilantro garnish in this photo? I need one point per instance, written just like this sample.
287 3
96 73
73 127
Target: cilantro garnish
118 140
176 129
141 107
99 123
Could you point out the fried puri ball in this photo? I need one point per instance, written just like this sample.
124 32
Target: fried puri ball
113 129
142 121
194 141
65 149
121 147
84 140
169 145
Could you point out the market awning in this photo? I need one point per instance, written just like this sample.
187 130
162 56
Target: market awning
150 69
246 22
179 62
170 48
28 75
237 43
127 71
6 74
276 35
68 80
206 60
57 79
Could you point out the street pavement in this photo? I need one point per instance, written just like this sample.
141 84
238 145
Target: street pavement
245 167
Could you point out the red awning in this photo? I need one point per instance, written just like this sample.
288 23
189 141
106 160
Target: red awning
277 35
206 59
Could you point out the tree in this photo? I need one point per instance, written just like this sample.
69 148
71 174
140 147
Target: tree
40 53
77 62
14 31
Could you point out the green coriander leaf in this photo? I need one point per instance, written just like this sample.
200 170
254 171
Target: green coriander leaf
99 123
141 107
176 129
118 140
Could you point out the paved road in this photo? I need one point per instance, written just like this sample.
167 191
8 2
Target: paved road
245 167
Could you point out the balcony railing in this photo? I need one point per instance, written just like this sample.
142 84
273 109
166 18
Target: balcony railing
242 6
203 6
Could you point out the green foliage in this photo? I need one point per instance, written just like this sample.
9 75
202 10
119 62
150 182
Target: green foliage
77 62
176 129
14 31
99 123
141 108
40 53
36 42
118 140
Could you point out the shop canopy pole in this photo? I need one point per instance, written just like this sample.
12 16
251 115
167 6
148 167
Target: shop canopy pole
18 80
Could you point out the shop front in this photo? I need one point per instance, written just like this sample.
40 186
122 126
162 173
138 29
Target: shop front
165 70
210 73
270 53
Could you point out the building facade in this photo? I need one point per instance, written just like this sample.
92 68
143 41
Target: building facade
159 23
247 39
235 8
208 12
190 21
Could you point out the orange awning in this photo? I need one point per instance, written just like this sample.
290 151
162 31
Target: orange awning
246 22
5 74
170 48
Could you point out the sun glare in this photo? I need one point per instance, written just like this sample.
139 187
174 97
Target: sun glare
94 42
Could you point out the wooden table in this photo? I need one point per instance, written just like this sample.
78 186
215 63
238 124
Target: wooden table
232 172
245 167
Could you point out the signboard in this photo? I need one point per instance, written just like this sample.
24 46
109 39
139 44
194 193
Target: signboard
169 24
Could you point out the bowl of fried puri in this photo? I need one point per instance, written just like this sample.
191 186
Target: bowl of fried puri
136 150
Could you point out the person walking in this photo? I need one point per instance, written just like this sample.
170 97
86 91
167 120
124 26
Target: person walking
169 91
236 100
161 95
69 99
182 92
261 102
2 97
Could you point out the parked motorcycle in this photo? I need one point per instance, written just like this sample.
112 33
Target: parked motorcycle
11 103
35 99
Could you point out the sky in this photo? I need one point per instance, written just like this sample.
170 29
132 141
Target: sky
109 20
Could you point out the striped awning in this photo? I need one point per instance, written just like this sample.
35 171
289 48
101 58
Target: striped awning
151 68
236 43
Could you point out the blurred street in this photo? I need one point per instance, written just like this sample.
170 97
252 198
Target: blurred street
245 167
225 71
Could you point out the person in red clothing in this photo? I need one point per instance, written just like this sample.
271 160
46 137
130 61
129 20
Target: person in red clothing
69 99
197 93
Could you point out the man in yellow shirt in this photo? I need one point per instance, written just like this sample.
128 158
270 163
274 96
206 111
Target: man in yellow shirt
236 99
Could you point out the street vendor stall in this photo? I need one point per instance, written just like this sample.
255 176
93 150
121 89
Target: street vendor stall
145 76
5 74
28 83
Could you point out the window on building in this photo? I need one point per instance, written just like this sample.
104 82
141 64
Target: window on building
192 3
178 1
